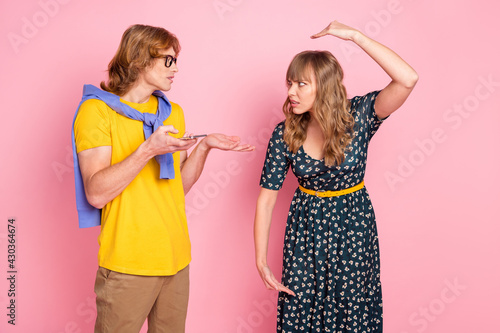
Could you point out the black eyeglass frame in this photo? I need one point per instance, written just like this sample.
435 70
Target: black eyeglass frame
169 60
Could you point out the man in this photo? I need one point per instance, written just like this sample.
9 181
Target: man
144 244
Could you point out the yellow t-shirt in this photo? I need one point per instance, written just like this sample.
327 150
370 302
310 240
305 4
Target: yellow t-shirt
144 229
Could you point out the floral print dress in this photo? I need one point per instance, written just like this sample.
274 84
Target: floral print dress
331 252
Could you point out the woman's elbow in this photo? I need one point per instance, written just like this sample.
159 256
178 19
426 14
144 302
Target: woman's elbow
411 80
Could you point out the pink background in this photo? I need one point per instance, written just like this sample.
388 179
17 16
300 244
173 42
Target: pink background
432 170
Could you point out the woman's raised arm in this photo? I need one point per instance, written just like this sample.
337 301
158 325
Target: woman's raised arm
403 76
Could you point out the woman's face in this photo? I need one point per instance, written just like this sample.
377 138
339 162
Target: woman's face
302 93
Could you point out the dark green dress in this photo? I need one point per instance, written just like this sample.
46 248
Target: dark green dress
331 252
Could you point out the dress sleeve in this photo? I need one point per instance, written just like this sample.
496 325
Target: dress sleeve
364 112
277 163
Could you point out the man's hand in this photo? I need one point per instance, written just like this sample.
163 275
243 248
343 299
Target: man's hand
225 142
161 142
192 166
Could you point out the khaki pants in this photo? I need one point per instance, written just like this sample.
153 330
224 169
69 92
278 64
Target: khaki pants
124 301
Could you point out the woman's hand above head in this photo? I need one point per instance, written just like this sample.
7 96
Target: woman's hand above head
270 281
404 77
337 29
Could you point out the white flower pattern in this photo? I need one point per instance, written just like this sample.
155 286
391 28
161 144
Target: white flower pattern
330 254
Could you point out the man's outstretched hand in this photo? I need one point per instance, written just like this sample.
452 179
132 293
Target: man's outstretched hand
225 142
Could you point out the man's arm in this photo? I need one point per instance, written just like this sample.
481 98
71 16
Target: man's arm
192 166
103 181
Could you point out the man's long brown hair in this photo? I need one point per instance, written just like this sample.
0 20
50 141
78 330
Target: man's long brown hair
139 46
331 106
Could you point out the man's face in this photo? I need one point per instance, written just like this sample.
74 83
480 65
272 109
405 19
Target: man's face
158 76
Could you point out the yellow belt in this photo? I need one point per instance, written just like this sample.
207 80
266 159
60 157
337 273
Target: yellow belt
333 193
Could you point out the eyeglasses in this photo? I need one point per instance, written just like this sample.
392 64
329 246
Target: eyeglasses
169 60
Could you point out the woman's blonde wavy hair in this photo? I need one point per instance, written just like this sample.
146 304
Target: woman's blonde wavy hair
331 106
139 46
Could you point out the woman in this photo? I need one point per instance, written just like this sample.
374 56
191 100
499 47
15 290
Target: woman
331 271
